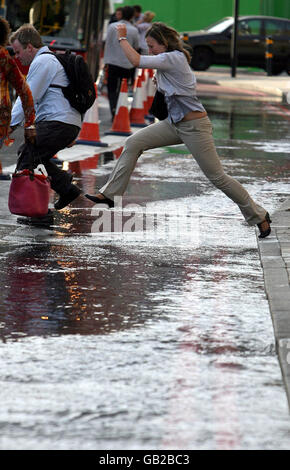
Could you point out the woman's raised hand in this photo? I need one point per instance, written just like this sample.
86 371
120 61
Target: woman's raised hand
121 30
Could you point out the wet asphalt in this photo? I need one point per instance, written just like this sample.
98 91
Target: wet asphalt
148 327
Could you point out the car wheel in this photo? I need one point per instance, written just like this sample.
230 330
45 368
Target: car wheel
277 69
201 58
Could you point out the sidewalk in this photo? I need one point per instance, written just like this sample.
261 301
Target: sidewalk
275 260
273 87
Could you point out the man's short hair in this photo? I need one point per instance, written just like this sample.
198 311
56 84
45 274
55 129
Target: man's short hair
128 13
27 34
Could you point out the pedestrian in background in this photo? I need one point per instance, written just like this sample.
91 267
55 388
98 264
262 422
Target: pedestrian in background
187 123
117 16
143 26
137 14
57 123
10 74
118 66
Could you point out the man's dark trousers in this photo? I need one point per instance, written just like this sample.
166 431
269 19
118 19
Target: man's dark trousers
115 75
52 136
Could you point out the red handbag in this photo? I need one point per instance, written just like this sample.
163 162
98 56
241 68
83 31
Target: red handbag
29 194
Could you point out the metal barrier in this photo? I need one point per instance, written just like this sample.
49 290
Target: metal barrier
269 55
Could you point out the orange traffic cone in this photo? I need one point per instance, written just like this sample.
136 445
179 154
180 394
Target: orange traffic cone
118 152
121 123
137 109
87 164
90 132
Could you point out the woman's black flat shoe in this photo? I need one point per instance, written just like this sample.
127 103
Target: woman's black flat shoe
265 228
98 200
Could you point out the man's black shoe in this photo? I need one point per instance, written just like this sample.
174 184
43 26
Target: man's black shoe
4 176
67 198
44 221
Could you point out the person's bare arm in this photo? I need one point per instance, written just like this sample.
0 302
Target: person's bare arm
131 54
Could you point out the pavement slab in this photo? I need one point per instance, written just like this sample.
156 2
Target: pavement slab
273 86
275 256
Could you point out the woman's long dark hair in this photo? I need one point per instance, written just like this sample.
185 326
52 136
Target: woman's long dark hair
168 37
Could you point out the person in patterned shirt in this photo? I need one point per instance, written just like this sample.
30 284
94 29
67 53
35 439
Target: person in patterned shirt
10 74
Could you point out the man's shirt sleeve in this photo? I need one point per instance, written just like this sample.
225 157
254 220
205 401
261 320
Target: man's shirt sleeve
40 76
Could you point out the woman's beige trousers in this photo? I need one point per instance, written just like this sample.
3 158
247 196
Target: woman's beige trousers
197 136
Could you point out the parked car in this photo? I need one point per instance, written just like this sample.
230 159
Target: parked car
213 44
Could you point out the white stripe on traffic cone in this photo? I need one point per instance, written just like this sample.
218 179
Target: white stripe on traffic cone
90 132
137 109
121 122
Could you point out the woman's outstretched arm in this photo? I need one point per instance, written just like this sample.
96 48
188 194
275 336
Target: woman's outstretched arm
131 54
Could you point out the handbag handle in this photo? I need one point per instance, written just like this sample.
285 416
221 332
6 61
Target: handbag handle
34 159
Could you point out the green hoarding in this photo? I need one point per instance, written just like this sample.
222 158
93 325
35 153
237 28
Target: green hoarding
190 15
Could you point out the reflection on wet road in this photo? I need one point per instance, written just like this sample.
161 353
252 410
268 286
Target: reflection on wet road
159 335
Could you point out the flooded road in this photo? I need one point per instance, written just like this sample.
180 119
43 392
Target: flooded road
157 335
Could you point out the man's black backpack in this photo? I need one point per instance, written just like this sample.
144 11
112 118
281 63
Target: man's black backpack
81 91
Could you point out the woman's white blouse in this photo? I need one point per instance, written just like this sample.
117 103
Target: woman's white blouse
176 80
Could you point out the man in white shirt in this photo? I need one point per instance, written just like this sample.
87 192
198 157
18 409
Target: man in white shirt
118 65
57 123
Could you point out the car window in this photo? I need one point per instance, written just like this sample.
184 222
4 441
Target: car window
247 27
220 26
276 28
